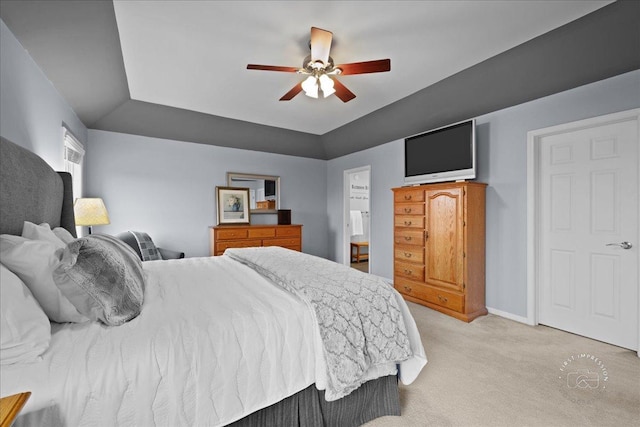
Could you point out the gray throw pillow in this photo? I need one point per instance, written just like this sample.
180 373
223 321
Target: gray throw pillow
103 279
148 249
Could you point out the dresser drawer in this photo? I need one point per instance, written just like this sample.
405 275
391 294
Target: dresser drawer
261 232
409 237
430 294
416 195
444 298
234 233
293 241
407 287
409 209
409 221
288 231
409 254
221 246
411 271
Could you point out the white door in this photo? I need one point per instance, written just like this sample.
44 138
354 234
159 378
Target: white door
588 231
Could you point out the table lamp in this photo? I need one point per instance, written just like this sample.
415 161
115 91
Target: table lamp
90 212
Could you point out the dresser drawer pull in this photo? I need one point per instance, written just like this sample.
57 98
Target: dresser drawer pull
409 272
407 196
407 223
407 288
407 254
407 238
442 299
407 210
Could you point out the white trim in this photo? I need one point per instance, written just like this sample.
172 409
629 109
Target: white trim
533 196
346 192
70 138
510 316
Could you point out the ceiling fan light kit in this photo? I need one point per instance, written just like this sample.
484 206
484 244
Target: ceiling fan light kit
321 71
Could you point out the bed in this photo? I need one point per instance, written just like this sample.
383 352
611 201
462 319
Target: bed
243 338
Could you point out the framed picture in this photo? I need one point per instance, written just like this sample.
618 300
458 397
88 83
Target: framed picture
233 205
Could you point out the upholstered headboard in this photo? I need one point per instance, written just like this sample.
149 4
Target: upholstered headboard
31 191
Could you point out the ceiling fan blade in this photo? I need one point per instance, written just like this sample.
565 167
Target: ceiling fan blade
272 68
342 92
293 92
320 45
377 66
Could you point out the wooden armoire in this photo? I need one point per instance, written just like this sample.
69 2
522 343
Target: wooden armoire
439 247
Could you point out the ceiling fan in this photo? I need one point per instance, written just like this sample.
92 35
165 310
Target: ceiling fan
322 72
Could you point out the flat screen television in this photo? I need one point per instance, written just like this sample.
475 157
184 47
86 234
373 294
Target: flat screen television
444 154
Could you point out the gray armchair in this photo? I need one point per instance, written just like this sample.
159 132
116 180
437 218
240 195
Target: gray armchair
130 239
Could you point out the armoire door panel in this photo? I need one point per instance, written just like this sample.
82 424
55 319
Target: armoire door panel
445 238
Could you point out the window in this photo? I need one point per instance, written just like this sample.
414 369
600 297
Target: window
73 155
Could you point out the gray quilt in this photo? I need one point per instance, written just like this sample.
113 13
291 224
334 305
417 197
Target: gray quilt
359 320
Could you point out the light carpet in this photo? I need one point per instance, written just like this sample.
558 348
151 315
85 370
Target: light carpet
497 372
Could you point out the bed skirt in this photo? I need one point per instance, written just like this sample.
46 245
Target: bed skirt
307 408
374 399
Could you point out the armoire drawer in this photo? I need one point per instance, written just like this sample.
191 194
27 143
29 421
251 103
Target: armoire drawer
409 237
409 221
406 196
411 271
430 294
409 209
409 254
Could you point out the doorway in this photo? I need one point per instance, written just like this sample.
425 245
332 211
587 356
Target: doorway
583 189
357 218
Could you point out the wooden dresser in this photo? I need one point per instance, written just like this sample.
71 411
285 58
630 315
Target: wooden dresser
246 236
439 247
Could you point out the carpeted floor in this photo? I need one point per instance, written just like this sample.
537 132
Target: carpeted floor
497 372
362 266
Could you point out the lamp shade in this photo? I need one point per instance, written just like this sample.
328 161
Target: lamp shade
326 84
310 86
90 211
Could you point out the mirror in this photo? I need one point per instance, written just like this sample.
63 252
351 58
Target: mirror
264 190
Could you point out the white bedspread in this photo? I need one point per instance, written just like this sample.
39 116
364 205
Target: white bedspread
215 341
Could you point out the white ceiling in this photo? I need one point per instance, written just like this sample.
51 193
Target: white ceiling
193 54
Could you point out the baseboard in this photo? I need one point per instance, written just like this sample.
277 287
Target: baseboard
510 316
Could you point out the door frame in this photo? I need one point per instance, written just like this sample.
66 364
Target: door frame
346 215
534 195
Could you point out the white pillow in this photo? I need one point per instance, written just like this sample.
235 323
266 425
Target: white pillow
34 261
25 331
43 231
64 235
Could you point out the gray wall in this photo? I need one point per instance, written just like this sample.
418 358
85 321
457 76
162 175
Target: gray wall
167 188
32 110
387 171
502 162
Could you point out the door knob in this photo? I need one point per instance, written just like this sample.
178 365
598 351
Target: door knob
623 245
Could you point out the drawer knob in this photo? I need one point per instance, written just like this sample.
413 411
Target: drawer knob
407 255
407 238
407 223
407 196
407 288
407 210
409 272
442 299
